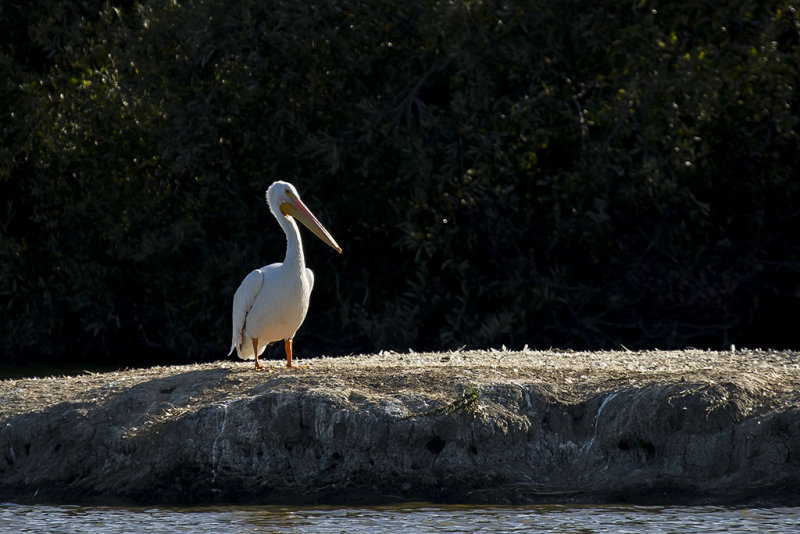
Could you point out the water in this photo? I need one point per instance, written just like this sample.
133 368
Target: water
398 519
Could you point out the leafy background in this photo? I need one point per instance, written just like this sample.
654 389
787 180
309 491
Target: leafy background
550 173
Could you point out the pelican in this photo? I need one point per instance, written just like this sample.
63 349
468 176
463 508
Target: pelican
271 302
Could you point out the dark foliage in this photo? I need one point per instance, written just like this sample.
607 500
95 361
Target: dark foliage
556 173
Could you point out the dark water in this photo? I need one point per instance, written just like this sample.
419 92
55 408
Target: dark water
409 518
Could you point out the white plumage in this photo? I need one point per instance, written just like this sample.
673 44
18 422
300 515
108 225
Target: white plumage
271 302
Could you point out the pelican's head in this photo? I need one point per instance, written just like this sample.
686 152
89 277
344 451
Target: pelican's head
283 200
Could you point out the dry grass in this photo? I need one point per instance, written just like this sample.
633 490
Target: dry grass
770 377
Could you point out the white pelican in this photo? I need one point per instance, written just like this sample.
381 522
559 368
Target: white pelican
271 303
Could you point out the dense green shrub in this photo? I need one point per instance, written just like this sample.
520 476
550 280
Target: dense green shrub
540 172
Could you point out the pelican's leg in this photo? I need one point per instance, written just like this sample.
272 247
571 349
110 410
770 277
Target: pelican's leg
255 351
287 345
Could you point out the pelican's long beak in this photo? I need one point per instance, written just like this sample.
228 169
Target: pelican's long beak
299 211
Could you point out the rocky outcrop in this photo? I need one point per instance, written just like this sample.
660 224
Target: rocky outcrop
492 427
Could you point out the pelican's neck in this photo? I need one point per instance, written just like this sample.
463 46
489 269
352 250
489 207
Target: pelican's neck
294 245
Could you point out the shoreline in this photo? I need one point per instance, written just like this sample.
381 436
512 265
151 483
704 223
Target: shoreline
473 427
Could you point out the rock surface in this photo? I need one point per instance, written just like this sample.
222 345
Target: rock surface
474 427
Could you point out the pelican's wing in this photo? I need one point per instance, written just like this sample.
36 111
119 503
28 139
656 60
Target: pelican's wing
242 302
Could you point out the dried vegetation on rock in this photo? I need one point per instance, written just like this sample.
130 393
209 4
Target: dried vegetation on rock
470 426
